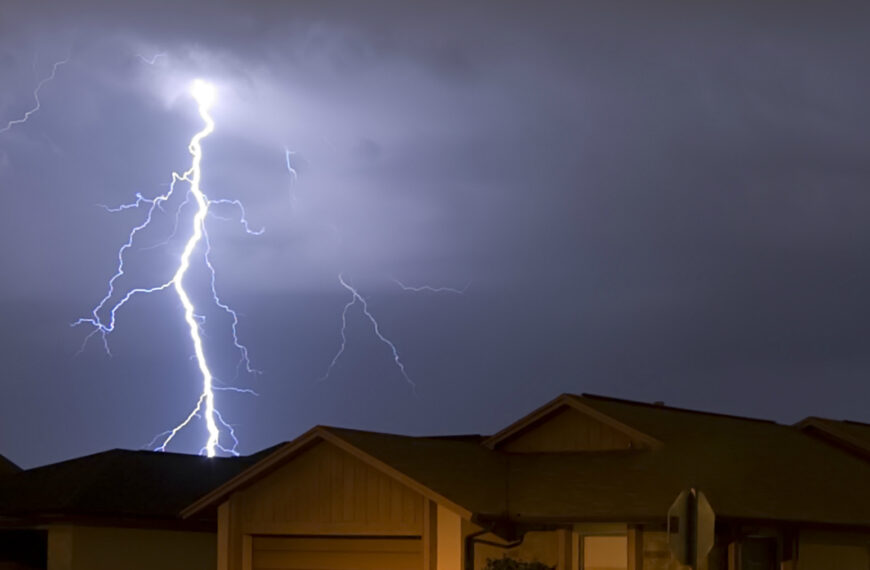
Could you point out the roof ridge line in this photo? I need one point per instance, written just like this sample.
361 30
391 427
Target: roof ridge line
403 435
674 408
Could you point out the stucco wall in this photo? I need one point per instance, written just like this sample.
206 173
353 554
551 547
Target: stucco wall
830 551
101 548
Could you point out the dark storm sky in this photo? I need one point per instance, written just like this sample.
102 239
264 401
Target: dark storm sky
656 202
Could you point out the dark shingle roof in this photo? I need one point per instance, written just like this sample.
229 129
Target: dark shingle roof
116 484
848 435
751 469
859 431
748 468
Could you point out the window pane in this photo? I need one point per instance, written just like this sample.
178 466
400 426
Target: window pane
758 553
605 553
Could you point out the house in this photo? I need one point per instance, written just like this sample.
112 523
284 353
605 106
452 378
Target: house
584 482
117 510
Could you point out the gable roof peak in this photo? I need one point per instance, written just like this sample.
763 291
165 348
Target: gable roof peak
372 448
579 403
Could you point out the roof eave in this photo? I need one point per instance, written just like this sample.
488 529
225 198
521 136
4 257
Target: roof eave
832 430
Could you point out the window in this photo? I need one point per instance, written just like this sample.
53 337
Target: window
758 553
600 552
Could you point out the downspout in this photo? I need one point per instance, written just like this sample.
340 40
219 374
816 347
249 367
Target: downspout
472 539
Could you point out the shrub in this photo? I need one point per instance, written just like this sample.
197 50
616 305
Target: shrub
506 563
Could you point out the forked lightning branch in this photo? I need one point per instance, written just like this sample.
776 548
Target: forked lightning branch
221 437
190 211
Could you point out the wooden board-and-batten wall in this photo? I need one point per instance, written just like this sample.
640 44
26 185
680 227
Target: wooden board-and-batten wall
325 491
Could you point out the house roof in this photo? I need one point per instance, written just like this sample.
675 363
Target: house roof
116 484
852 436
748 468
455 471
579 404
459 469
7 467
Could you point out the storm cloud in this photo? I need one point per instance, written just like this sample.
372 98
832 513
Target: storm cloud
657 202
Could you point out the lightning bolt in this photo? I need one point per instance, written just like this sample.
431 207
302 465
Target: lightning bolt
37 104
357 298
294 175
432 289
290 170
205 409
152 60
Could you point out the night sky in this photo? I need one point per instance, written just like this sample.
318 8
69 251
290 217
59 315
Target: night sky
656 201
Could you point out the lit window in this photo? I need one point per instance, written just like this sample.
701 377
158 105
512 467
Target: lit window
605 552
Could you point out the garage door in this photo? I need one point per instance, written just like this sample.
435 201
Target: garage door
333 553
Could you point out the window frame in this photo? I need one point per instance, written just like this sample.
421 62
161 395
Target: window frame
581 531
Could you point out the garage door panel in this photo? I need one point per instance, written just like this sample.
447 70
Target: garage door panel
298 553
336 561
333 544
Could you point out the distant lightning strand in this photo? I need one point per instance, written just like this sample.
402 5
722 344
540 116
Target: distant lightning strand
205 407
152 60
246 360
432 289
356 297
36 91
292 171
343 337
294 175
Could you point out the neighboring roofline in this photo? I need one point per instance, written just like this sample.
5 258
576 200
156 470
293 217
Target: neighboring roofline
28 504
574 402
114 521
831 429
299 445
121 450
9 466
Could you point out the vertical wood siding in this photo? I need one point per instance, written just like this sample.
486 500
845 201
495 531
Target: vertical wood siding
568 430
325 490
